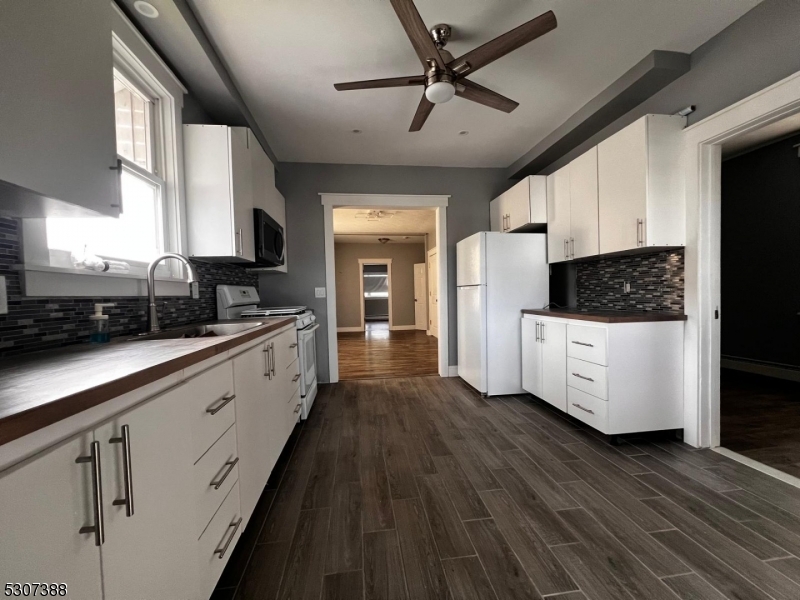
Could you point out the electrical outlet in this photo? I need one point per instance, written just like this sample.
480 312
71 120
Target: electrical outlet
319 292
3 297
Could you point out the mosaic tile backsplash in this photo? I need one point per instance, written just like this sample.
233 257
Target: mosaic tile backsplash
42 323
657 282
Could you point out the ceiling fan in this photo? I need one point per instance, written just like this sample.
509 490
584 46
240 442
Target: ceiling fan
374 215
445 76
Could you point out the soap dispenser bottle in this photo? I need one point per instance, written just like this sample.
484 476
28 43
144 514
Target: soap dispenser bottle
100 333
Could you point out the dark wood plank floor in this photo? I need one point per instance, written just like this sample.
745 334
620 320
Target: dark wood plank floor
418 488
760 418
379 352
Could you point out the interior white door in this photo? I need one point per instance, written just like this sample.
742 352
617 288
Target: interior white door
44 505
420 298
433 293
150 554
553 336
558 215
531 358
471 319
583 205
242 187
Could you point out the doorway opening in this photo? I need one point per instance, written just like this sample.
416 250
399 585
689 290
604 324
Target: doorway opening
386 301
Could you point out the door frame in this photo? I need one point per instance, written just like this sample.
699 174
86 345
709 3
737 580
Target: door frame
427 280
424 266
385 201
702 160
373 261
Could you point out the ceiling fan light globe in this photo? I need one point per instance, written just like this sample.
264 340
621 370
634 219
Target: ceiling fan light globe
439 92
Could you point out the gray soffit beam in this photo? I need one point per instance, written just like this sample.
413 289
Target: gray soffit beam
657 70
222 69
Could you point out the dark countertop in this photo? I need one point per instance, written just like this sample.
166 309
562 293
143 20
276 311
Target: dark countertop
607 316
39 389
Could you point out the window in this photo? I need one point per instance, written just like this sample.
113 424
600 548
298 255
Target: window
376 284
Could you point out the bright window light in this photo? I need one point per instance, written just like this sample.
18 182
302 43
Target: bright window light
132 113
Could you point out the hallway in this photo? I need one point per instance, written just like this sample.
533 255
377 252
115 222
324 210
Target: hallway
379 352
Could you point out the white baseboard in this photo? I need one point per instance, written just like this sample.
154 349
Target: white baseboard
754 464
760 368
452 371
403 327
349 329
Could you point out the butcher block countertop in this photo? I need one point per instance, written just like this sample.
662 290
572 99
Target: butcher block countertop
606 316
39 389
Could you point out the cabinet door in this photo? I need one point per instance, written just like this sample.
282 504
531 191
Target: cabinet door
518 204
242 188
583 205
558 215
553 335
257 417
496 214
622 174
531 358
57 99
538 198
150 554
45 502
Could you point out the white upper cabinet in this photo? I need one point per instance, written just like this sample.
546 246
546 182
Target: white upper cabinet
583 205
558 215
219 192
640 186
521 208
57 99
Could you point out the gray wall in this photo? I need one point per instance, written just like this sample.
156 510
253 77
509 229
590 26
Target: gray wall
348 301
301 183
752 53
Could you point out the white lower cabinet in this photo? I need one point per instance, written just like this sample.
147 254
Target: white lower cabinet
615 377
218 541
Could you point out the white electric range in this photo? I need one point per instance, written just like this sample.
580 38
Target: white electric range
241 302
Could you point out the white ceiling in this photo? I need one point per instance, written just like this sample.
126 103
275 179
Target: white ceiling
402 222
285 56
360 238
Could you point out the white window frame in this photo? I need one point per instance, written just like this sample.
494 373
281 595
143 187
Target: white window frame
135 61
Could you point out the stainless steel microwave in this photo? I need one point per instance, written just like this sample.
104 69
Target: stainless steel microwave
270 243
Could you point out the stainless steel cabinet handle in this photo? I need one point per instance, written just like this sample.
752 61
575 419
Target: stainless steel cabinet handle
98 529
241 244
572 247
293 345
583 344
224 549
297 409
212 410
583 409
125 440
267 362
566 249
296 377
579 376
537 330
230 464
272 357
640 232
541 333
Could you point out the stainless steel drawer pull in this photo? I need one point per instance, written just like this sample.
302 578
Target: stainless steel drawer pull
296 377
591 412
272 357
293 345
224 549
212 410
98 529
297 408
125 440
583 344
230 464
579 376
267 361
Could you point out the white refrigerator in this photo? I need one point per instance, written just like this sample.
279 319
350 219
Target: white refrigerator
498 274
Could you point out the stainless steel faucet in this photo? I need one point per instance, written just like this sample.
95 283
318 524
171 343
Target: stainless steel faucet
152 314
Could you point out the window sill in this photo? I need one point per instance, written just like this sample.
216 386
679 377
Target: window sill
56 282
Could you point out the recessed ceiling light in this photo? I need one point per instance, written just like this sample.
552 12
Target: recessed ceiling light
146 9
463 132
356 131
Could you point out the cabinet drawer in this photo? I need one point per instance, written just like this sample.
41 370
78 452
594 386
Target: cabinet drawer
587 377
293 378
285 349
292 415
212 411
587 343
218 541
587 408
214 476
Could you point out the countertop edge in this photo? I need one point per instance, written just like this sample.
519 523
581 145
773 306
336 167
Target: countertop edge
28 420
604 317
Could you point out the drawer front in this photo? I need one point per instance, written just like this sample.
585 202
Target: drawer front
285 349
587 377
212 410
221 534
214 476
292 413
293 379
587 343
587 408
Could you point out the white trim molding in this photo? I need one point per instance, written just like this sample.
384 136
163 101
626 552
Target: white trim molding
403 327
452 371
384 201
349 329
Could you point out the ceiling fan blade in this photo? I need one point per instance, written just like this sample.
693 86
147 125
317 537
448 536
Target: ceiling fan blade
417 32
423 110
381 83
508 42
470 90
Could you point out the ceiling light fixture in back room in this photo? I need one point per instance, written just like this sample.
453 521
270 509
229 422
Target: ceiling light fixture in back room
445 76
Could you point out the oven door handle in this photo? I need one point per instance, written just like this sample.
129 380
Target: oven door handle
314 327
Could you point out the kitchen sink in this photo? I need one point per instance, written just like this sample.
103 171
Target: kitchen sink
198 331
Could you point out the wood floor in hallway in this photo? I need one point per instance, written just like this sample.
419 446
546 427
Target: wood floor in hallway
418 488
379 352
